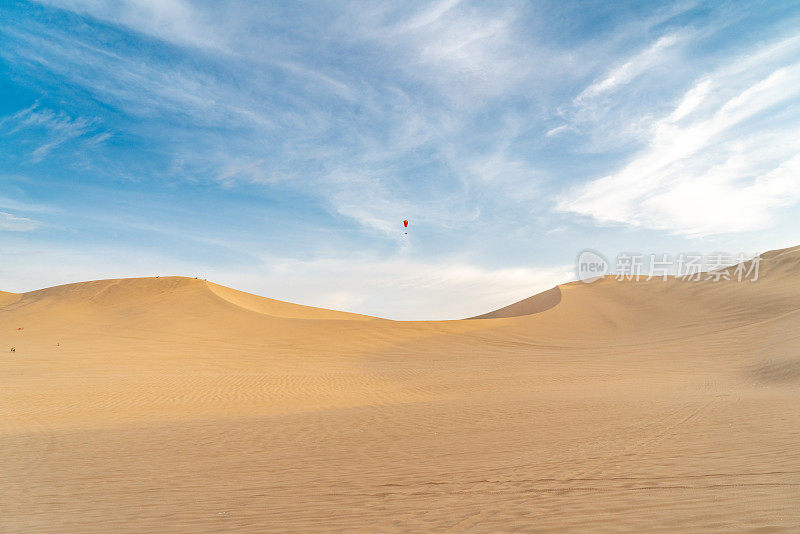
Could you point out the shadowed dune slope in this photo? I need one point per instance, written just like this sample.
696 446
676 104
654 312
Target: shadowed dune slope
277 308
175 404
8 298
535 304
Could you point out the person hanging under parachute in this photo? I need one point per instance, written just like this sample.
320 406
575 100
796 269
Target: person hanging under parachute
405 225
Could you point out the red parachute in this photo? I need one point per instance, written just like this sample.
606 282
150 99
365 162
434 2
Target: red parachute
405 223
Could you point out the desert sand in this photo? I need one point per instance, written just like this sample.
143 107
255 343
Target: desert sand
178 405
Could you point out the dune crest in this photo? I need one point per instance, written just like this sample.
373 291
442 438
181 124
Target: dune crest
612 309
278 308
529 306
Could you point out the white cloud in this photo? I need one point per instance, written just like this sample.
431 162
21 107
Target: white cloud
628 71
430 15
616 110
559 130
12 223
466 52
59 128
691 100
170 20
720 162
16 205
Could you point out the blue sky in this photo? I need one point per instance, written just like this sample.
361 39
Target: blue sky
277 147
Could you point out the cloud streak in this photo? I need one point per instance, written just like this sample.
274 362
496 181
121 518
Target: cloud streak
12 223
628 71
58 127
738 150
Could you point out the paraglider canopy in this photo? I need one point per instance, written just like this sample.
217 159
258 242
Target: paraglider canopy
405 223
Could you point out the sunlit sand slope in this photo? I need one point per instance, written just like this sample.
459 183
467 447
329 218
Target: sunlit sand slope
175 404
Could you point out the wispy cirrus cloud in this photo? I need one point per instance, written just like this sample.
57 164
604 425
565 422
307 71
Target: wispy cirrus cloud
58 127
730 138
608 112
628 71
174 20
12 223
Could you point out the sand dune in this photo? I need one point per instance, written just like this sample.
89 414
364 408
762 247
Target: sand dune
8 298
277 308
176 404
535 304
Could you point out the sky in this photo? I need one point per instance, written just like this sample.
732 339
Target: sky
277 147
